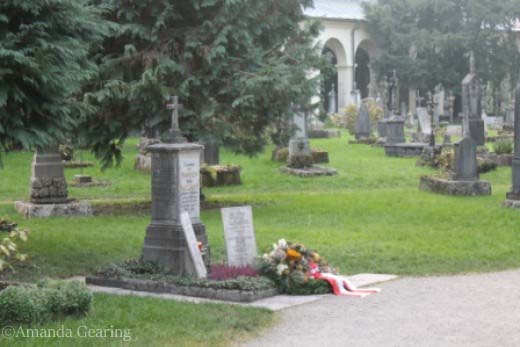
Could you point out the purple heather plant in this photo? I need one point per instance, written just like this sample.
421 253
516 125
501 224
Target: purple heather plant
222 272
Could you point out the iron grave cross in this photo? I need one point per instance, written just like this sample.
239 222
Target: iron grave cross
175 135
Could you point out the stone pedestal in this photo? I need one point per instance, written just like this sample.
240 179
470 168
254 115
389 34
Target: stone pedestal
48 188
175 189
381 128
395 131
300 154
48 185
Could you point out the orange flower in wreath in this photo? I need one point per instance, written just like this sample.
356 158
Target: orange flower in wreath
294 254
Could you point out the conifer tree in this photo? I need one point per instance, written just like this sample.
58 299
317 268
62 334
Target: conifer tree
238 67
44 61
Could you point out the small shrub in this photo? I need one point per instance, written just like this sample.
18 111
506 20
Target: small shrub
446 160
503 147
68 297
49 300
21 305
349 115
221 272
66 152
485 165
9 248
6 225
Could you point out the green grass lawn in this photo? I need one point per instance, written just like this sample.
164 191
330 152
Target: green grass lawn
151 322
369 218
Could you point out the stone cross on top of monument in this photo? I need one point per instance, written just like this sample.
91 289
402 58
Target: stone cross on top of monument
175 134
472 66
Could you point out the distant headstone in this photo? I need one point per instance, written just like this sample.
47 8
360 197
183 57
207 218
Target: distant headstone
466 160
192 245
48 184
211 153
239 235
395 131
300 154
424 121
438 100
363 123
472 104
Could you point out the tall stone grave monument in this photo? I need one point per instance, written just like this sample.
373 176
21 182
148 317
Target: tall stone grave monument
472 105
513 197
175 190
363 123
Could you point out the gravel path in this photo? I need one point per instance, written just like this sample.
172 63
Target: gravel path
476 310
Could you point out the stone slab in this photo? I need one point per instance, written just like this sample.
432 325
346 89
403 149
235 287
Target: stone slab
274 303
364 280
324 134
310 171
161 287
404 149
456 188
71 209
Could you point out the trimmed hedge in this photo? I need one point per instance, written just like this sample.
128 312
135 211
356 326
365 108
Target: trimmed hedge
49 300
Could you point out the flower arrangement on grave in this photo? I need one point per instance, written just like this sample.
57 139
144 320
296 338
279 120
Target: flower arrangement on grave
298 270
289 265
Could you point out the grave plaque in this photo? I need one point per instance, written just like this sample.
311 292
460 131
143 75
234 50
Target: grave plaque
193 248
189 183
239 235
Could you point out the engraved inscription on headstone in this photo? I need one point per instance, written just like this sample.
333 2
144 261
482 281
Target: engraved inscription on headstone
189 184
239 235
191 240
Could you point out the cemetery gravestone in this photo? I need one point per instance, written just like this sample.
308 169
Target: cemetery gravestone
193 248
424 121
300 154
363 123
472 104
48 189
175 190
48 185
239 235
395 131
466 160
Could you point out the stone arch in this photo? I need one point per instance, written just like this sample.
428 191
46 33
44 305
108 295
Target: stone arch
332 90
364 74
